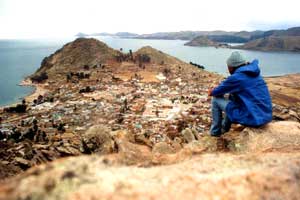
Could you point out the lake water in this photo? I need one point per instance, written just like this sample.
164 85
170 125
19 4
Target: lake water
20 58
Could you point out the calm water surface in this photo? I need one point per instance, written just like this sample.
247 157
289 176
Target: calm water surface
20 58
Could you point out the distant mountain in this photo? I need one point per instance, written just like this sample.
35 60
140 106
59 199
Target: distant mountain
228 38
217 36
119 34
201 41
101 34
81 35
273 43
182 35
126 34
295 31
275 40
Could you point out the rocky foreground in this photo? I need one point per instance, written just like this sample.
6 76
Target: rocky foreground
145 117
263 164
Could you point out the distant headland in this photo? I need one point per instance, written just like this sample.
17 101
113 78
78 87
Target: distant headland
271 40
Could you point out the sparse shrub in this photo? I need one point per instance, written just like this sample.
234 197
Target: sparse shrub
69 77
86 90
39 78
130 54
143 58
197 65
61 127
20 108
166 71
86 67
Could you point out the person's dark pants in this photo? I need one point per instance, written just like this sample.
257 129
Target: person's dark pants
219 124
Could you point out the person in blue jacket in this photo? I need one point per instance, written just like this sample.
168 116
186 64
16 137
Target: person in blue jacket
249 101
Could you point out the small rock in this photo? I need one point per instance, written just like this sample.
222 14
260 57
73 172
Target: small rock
188 135
142 140
68 150
162 148
176 146
4 162
22 161
196 134
98 139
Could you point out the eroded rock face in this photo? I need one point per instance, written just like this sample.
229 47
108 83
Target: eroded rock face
283 136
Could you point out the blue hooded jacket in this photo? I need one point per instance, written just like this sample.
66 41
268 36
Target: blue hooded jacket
250 103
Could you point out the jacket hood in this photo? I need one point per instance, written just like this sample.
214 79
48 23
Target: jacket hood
251 69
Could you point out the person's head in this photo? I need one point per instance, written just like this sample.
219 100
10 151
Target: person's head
235 60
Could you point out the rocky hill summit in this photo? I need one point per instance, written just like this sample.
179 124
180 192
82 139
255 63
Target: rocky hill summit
82 51
157 56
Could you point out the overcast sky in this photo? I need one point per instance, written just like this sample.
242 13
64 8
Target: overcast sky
63 18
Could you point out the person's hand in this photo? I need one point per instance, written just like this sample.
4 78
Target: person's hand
210 91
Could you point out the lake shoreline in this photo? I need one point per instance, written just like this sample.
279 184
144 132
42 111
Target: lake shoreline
38 89
272 63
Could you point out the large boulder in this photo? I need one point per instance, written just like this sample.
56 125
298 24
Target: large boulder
283 136
130 153
98 139
163 148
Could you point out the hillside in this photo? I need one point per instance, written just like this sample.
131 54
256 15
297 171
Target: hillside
273 43
275 40
181 35
201 41
157 56
106 124
82 51
143 92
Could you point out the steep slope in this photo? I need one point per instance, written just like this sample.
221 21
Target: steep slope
82 51
274 43
294 31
